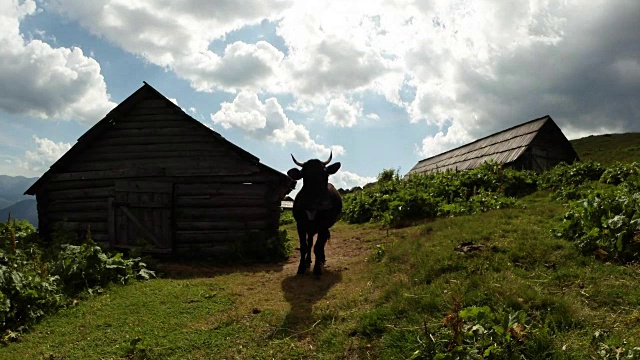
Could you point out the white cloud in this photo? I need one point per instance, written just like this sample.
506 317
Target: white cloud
46 152
165 31
243 66
480 65
441 142
334 64
46 82
573 132
177 35
342 113
373 116
267 121
348 180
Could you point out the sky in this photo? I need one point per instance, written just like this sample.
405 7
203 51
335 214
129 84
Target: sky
380 84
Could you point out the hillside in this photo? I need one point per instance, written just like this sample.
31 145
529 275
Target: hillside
383 296
537 277
12 189
22 210
609 148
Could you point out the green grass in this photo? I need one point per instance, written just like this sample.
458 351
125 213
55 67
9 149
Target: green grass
376 307
162 313
606 149
567 296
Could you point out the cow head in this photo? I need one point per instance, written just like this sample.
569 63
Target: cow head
314 173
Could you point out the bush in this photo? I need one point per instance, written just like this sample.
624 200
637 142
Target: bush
35 281
607 221
286 217
279 247
86 267
394 201
27 291
619 173
564 175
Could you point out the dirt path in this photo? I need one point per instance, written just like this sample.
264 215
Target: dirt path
295 303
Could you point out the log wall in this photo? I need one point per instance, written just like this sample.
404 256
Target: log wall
549 148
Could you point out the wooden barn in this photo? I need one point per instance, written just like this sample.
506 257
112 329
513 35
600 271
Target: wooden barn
537 145
149 175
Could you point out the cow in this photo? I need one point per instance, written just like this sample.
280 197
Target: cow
316 208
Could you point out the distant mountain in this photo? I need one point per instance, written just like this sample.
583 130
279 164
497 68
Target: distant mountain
22 210
12 198
12 189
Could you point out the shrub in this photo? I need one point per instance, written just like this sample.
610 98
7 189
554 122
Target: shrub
279 247
564 175
87 267
620 172
27 291
35 282
607 221
286 217
394 201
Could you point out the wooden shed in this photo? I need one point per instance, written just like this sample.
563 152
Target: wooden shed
536 145
150 175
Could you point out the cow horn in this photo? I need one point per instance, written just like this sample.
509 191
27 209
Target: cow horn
329 160
296 161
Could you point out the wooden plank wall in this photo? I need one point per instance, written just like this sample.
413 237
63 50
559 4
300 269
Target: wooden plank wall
220 198
158 136
210 216
549 148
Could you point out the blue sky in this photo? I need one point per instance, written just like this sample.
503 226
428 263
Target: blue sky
382 84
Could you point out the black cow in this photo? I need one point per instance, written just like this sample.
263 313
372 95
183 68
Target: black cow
316 208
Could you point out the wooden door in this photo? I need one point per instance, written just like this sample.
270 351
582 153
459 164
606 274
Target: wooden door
141 216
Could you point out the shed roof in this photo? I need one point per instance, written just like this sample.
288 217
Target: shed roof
143 93
503 147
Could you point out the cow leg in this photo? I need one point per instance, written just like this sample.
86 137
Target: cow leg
318 250
309 247
303 250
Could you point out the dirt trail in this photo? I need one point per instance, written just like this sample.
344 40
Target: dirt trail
277 289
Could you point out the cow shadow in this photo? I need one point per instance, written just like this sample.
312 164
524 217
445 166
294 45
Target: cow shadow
302 292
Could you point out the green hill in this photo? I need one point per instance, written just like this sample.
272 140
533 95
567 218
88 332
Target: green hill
609 148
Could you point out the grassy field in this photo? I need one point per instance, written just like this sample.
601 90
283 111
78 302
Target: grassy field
499 278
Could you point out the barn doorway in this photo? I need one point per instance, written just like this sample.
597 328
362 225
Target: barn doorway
140 216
